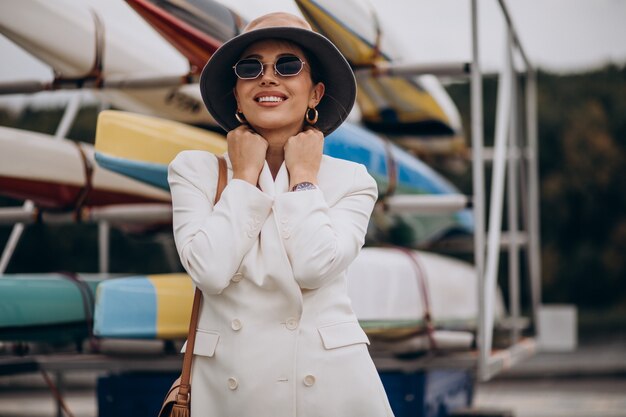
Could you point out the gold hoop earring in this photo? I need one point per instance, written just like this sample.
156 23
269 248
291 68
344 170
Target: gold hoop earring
240 117
311 120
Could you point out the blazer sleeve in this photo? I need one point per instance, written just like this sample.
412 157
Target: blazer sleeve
322 241
212 240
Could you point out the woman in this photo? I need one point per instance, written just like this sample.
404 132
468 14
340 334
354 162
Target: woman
276 335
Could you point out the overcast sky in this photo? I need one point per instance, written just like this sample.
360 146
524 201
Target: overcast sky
558 35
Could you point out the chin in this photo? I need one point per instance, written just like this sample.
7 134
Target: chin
275 123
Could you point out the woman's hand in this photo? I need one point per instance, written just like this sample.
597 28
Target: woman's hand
246 151
303 155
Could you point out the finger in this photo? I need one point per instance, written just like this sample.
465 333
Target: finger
313 129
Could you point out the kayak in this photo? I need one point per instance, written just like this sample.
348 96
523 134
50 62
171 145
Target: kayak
64 34
390 289
415 111
387 290
47 307
195 29
86 44
62 174
141 147
354 143
144 307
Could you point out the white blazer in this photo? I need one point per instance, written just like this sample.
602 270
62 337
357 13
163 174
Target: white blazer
277 336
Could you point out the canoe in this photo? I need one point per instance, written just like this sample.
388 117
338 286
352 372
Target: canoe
141 147
416 111
47 307
383 284
195 29
52 172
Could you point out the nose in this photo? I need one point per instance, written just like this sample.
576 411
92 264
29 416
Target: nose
268 75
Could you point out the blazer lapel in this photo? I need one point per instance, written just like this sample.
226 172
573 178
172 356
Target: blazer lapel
282 180
271 187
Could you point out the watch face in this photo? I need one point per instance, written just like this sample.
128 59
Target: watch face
303 186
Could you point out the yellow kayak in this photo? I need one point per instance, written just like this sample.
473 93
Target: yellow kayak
142 147
416 112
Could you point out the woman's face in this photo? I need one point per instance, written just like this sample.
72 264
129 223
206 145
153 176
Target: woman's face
272 102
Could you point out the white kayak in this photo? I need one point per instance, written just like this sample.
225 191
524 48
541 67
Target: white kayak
52 172
64 34
78 40
392 289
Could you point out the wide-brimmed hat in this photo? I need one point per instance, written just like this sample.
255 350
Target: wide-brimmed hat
218 78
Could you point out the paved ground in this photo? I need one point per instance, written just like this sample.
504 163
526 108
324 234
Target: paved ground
577 397
590 382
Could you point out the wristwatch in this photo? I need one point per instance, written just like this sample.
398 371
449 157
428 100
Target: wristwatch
303 186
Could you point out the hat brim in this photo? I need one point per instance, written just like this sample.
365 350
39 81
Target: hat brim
218 78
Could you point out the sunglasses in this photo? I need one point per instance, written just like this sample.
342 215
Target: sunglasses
285 66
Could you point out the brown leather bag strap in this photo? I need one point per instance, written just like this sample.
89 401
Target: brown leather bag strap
185 386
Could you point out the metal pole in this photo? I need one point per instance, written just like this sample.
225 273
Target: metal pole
14 238
503 108
513 32
73 106
61 388
141 213
426 204
478 185
534 249
442 69
512 187
103 246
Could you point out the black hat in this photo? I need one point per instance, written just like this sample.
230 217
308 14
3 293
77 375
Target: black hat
218 78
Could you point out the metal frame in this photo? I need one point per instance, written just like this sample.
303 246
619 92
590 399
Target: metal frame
515 167
506 150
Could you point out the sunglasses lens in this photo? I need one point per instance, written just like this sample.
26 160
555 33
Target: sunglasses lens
288 65
248 68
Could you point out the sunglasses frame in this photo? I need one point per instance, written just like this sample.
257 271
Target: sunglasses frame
276 72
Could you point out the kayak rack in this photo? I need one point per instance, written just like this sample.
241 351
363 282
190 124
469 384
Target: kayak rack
514 164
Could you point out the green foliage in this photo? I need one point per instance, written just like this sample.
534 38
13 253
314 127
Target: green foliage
582 159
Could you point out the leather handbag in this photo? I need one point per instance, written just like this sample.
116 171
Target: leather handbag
177 402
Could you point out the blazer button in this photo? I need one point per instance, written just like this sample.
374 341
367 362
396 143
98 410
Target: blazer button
237 277
232 383
236 325
309 380
291 323
286 235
